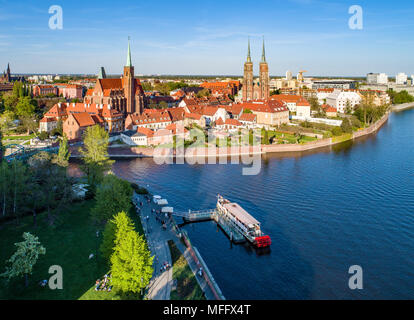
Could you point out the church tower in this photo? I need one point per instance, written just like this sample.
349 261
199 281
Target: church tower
248 77
128 82
8 75
264 76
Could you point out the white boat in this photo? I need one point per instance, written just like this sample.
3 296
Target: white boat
243 222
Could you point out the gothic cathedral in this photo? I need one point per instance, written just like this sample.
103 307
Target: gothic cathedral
256 90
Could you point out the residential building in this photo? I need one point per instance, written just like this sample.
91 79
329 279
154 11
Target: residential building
343 99
269 113
194 118
105 115
249 120
330 111
44 90
336 84
151 119
401 78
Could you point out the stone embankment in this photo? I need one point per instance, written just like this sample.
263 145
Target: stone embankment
148 152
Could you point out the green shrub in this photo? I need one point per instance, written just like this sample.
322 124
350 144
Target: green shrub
346 126
337 131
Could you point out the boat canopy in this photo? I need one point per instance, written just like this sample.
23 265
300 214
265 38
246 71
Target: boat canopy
241 214
162 202
167 210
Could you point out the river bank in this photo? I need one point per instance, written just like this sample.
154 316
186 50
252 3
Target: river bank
149 152
402 107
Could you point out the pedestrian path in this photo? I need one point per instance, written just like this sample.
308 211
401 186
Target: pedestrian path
160 285
157 238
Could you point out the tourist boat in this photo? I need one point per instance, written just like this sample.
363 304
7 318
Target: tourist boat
243 222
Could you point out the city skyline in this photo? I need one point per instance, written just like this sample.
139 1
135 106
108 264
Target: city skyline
192 39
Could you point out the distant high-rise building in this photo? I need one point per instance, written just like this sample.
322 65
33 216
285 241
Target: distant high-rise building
288 75
377 78
382 78
401 78
372 77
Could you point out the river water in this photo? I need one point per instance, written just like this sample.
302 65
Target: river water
325 211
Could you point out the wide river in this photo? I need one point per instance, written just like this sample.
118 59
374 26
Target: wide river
325 211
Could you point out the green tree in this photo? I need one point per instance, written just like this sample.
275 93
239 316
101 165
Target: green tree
62 158
56 186
19 179
6 120
265 136
112 195
131 262
346 126
24 259
10 101
25 107
95 154
108 240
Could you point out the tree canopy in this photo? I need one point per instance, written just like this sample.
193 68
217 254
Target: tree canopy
131 261
24 259
95 153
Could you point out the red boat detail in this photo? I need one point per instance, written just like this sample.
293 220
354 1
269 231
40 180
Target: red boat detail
262 242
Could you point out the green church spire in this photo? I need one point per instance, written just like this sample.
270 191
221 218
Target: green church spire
263 53
249 59
129 61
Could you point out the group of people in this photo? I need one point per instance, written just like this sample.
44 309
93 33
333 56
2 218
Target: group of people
165 266
104 284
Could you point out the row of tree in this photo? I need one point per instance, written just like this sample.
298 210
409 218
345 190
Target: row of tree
39 184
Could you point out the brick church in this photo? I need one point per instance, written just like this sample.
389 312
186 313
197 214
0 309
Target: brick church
256 89
7 77
124 94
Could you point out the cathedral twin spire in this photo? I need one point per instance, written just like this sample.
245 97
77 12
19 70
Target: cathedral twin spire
253 90
249 59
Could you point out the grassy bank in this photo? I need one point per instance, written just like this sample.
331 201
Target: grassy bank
68 244
187 285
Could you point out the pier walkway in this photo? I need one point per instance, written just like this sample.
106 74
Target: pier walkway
212 214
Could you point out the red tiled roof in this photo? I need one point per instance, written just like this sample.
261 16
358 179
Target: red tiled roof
194 116
84 119
219 122
148 132
177 114
51 119
173 128
249 117
233 122
151 117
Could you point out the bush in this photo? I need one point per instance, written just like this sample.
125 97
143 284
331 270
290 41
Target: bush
355 122
337 131
43 135
139 190
346 126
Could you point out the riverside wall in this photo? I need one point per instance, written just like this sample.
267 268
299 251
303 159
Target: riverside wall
148 152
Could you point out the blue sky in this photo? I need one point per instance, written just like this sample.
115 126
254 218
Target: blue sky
208 37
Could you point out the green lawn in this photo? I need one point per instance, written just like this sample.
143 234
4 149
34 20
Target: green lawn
19 137
187 285
68 244
288 138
